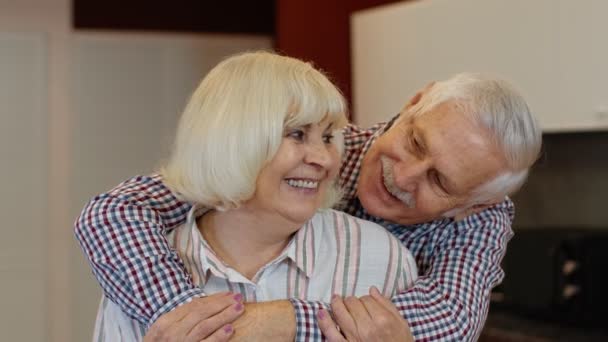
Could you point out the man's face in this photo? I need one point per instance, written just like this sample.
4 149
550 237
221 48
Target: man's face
422 167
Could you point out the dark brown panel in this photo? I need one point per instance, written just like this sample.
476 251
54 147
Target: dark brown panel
319 31
230 16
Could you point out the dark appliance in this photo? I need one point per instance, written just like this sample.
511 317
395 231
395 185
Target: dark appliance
558 275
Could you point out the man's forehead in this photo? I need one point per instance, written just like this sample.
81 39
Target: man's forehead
462 151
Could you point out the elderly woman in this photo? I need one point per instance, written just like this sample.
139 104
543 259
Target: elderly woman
256 155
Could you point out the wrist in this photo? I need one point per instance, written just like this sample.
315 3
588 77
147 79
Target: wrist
266 321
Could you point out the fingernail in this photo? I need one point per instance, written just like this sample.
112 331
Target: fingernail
321 314
374 289
238 307
238 297
334 296
228 329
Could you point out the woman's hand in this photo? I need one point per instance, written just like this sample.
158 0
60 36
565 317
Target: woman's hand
369 318
203 319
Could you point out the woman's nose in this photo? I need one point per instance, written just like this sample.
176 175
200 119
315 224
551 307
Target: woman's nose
320 154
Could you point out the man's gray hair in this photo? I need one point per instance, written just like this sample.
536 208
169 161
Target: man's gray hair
498 107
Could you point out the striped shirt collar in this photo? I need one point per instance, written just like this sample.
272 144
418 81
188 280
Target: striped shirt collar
195 249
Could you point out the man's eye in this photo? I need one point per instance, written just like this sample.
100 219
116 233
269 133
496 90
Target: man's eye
417 143
414 144
328 138
437 180
296 134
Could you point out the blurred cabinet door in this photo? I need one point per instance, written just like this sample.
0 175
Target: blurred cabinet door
23 209
582 56
553 51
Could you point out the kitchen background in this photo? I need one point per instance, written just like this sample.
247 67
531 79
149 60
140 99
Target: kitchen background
90 91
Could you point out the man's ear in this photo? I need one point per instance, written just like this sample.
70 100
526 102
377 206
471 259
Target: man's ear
473 210
416 98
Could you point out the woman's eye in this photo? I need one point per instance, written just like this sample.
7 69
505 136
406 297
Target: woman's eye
328 138
296 134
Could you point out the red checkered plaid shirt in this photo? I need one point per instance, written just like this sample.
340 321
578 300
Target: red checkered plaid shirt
122 233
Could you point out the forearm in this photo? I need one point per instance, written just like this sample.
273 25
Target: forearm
434 315
266 321
451 300
122 234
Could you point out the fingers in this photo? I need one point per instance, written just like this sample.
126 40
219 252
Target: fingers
196 320
373 307
369 318
385 302
181 311
344 318
328 327
387 319
357 309
213 324
220 335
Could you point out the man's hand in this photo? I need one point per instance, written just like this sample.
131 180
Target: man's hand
369 318
203 319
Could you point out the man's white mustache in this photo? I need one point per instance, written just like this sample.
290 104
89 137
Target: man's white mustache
389 183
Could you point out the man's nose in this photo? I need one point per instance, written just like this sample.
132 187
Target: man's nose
408 174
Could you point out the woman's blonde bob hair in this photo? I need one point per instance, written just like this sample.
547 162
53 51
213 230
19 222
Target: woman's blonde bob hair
235 121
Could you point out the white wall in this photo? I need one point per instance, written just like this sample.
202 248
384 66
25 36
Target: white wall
79 112
128 92
553 51
34 54
23 141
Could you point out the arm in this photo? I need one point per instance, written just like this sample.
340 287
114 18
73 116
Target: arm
449 302
266 321
122 234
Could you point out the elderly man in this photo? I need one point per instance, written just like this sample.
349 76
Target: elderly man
436 176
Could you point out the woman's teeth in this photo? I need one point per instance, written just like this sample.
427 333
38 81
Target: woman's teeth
307 184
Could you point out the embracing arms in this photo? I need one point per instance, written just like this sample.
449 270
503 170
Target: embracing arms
459 264
122 233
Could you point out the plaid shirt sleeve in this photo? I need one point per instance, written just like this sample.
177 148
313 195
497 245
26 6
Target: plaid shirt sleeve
122 234
450 301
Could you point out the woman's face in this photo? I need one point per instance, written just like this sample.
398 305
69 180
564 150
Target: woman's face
294 183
